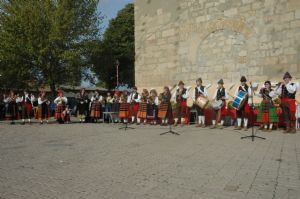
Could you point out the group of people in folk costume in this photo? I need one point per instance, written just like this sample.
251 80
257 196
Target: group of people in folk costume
149 107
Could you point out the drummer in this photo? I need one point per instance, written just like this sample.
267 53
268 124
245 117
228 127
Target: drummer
199 91
244 111
220 94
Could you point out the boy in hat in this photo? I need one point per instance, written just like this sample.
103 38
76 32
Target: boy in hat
244 111
181 108
220 94
133 99
288 90
199 91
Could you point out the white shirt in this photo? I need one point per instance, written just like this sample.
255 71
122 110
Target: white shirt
40 101
131 97
289 87
100 98
64 99
19 99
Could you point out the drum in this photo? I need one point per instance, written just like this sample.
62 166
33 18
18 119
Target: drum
202 102
189 102
239 100
216 105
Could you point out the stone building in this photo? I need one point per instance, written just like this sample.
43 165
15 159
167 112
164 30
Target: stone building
213 39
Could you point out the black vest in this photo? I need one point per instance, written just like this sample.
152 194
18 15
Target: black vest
220 93
197 92
265 93
286 94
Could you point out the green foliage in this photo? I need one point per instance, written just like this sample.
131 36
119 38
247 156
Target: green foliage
117 44
46 41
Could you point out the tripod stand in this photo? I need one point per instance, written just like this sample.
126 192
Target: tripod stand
125 127
170 131
252 136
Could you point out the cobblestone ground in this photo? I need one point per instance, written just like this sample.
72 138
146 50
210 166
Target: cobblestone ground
100 161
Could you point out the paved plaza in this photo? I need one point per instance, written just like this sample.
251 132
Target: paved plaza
90 161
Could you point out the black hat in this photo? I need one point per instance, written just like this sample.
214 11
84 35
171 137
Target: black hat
221 81
180 83
243 79
287 75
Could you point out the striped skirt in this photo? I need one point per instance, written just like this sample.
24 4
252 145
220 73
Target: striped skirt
96 108
142 111
267 113
124 110
59 109
163 110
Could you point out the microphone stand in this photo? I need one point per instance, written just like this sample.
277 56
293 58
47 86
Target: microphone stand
252 136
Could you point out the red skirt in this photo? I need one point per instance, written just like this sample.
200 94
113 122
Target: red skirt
224 109
59 109
27 110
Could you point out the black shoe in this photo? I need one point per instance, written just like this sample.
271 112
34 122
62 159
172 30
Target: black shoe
12 123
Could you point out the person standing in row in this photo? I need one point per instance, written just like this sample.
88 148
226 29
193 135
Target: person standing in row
82 105
44 109
96 106
11 111
165 112
124 107
60 102
181 108
133 99
220 95
267 114
288 90
27 107
142 111
244 111
199 90
152 107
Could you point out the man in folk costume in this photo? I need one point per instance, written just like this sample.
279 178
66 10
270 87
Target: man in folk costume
11 111
220 94
244 111
124 106
82 105
44 110
181 108
165 112
288 90
199 90
142 111
134 99
152 107
267 114
96 106
60 102
26 107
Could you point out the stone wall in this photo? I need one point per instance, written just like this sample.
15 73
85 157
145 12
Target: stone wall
213 39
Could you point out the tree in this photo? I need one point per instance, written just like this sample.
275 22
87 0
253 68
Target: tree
46 41
117 43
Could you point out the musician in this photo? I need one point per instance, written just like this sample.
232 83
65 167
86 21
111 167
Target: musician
142 110
267 114
26 107
44 110
115 105
124 107
181 108
60 102
199 91
96 106
11 111
165 112
244 111
82 105
134 99
152 107
288 90
220 94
